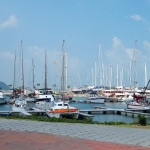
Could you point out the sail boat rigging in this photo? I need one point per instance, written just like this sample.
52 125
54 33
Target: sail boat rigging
63 68
33 73
22 72
139 101
15 91
45 99
20 104
14 80
45 70
133 66
62 108
45 93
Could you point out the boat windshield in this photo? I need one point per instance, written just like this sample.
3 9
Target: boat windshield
59 104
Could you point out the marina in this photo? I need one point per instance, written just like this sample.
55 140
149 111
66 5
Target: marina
97 102
116 111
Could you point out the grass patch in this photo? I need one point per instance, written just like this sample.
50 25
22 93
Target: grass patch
66 120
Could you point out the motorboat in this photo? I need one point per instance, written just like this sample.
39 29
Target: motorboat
62 109
45 94
2 99
20 104
95 99
13 98
126 98
44 103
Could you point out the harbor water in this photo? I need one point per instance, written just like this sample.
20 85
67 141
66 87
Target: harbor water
100 117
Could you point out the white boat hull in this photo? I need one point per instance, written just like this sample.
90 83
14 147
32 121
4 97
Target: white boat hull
2 101
71 115
43 105
30 99
137 106
18 108
98 101
19 105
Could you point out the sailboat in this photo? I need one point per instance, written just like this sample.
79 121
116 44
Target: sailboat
45 99
139 101
15 91
62 108
20 104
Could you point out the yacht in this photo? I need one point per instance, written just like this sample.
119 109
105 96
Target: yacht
2 99
20 104
95 99
62 109
44 102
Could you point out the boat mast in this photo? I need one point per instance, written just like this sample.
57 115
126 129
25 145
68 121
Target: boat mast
99 60
22 71
45 70
95 73
145 75
121 76
134 65
92 77
110 77
66 71
101 69
33 72
117 75
63 68
14 80
130 76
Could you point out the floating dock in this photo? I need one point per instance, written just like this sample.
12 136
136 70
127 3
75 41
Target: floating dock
85 113
104 110
21 113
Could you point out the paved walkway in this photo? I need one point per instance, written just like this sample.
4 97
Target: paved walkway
26 135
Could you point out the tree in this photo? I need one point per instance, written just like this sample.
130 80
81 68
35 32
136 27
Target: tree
68 87
10 85
38 85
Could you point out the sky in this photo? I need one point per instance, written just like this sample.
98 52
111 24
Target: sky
119 29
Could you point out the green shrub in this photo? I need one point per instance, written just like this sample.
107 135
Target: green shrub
142 120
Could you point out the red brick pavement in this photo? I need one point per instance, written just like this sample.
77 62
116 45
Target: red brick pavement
18 140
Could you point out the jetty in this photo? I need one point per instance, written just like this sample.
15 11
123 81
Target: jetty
104 110
39 113
84 113
21 113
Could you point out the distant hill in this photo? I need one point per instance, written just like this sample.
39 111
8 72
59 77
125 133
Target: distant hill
4 86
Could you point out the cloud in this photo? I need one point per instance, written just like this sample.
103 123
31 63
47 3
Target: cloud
116 42
139 18
7 55
129 52
52 55
146 45
136 17
10 22
38 55
117 54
